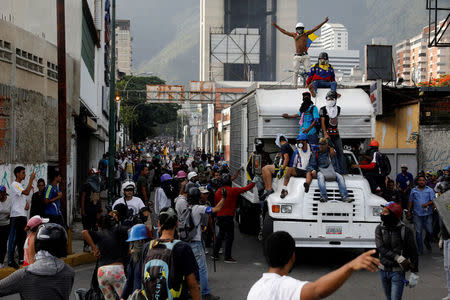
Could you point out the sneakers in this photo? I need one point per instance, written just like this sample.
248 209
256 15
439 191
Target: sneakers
221 251
13 264
306 186
266 194
311 90
210 297
323 200
283 193
213 257
230 260
348 200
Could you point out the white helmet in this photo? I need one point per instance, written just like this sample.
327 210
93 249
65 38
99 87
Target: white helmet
128 184
191 175
299 25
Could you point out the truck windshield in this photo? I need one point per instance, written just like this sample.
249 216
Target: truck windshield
349 159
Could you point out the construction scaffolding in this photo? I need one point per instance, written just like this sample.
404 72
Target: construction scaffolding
437 9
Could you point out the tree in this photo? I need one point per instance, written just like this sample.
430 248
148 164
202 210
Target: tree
143 119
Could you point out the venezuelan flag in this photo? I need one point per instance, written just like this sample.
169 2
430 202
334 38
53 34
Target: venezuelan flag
311 38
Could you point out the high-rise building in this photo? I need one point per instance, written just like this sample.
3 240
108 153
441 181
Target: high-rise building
275 49
123 47
416 62
333 40
334 37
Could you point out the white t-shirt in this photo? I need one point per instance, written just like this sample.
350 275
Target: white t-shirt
275 287
303 157
135 204
18 200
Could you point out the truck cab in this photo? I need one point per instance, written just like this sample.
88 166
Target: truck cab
258 114
331 224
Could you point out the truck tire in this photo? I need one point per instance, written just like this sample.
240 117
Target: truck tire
267 227
247 217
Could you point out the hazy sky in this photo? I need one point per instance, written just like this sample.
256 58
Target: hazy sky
157 24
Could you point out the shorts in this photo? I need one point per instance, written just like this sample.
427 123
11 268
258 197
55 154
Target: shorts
300 173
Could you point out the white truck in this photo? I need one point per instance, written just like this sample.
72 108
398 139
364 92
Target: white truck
311 223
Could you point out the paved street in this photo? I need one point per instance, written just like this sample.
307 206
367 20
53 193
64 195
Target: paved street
234 281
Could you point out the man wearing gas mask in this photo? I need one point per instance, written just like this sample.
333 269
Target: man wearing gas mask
303 38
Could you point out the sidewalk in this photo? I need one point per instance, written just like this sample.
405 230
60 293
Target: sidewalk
76 258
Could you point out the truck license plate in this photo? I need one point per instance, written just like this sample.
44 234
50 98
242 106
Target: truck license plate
334 229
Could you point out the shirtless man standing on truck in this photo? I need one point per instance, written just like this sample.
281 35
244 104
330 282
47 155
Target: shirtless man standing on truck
301 46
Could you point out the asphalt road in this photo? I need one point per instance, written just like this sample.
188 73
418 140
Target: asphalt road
234 281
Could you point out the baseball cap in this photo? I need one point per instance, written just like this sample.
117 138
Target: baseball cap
395 208
323 141
3 189
35 221
203 190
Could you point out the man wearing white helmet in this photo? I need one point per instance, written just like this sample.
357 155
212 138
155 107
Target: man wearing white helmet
301 56
133 203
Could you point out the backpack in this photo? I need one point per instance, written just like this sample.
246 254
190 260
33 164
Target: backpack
158 269
186 226
384 165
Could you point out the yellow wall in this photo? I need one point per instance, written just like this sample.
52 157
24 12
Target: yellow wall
400 130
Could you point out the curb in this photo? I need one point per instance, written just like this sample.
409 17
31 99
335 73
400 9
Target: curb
72 260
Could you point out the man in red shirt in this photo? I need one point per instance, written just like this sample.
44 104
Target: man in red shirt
225 216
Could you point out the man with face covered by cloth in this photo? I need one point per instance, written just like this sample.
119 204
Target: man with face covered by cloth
303 39
329 115
309 119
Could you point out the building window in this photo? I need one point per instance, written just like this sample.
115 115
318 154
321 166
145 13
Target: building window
52 71
29 62
5 51
88 48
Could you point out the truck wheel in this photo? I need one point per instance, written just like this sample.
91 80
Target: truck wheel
267 227
242 220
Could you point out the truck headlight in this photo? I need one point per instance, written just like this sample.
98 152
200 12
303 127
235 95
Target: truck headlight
376 211
286 209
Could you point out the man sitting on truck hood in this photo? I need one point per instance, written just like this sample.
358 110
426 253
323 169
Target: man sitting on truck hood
269 171
299 162
321 165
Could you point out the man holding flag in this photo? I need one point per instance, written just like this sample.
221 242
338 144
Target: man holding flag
303 39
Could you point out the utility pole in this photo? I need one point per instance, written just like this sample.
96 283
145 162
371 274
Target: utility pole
62 119
112 106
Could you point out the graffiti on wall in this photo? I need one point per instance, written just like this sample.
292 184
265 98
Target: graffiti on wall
434 151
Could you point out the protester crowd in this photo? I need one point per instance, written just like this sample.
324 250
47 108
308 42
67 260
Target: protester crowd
156 247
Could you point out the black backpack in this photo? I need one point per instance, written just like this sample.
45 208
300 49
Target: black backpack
186 226
159 270
384 165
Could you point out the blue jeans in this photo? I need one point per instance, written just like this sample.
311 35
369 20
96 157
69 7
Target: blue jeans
17 237
199 253
421 223
323 185
324 84
313 140
393 284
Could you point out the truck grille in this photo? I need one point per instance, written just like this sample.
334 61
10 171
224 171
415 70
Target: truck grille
312 203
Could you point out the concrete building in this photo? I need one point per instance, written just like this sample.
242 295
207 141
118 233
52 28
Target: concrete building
276 49
334 37
123 46
28 87
416 62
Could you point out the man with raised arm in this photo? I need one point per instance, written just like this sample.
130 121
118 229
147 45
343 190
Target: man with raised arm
303 39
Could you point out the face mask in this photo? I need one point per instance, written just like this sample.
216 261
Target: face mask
331 103
300 30
323 61
389 220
